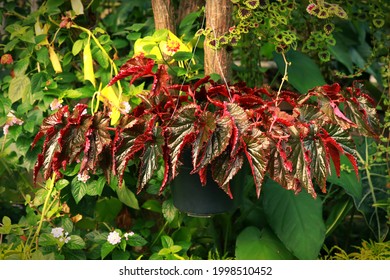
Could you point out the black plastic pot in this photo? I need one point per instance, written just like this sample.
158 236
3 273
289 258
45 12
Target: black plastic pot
191 197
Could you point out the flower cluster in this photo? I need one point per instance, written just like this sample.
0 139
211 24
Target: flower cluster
62 235
11 120
114 237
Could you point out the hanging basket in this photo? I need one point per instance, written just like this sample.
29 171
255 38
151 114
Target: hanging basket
191 197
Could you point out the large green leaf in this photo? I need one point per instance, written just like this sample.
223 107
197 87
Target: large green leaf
255 244
303 73
78 189
20 88
296 219
127 197
347 180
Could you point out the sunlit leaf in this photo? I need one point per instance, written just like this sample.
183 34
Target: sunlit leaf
89 73
55 62
77 7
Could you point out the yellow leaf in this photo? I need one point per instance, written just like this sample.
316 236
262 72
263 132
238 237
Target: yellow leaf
39 30
54 60
115 115
77 7
111 100
89 74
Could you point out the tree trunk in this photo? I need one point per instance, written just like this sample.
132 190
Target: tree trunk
163 12
187 7
219 19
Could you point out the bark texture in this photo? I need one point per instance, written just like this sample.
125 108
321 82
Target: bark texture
164 16
219 19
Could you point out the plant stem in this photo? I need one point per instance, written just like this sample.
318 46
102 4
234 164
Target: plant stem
370 184
159 234
44 210
284 78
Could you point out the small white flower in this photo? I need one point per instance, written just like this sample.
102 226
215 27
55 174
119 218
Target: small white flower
127 234
55 104
66 240
114 238
125 107
57 232
83 177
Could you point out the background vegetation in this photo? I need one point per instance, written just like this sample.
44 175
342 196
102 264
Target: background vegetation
63 52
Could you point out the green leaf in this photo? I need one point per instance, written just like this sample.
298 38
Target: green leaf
77 47
62 183
6 221
136 240
39 198
6 226
21 66
67 224
78 189
169 211
71 93
96 187
38 81
166 241
47 239
106 249
100 57
20 88
127 197
76 243
152 205
296 219
255 244
347 180
180 55
303 73
120 255
107 209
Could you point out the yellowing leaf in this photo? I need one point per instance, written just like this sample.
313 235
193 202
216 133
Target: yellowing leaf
41 30
110 99
115 115
77 7
89 74
54 60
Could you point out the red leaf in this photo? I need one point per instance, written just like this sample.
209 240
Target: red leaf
136 67
180 132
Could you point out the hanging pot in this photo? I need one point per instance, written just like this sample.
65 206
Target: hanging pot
191 197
